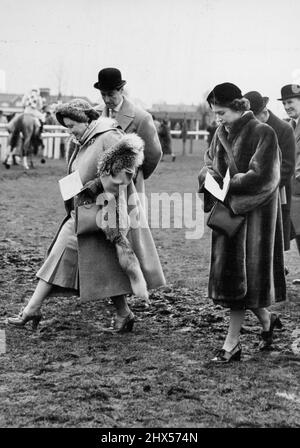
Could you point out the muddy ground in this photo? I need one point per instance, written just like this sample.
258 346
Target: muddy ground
72 374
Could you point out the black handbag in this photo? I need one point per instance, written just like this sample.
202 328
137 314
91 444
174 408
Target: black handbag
86 218
223 220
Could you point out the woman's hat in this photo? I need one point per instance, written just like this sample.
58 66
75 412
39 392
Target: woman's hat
223 94
109 79
257 102
289 91
78 110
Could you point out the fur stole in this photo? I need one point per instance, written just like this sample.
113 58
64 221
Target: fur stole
127 154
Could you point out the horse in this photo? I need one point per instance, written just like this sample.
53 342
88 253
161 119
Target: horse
25 132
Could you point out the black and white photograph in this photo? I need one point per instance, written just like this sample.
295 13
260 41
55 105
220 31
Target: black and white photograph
149 217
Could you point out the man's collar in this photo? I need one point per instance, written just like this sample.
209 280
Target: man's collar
118 107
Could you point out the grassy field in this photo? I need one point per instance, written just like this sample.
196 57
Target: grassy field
72 374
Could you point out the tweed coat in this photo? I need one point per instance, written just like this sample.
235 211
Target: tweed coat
287 145
100 274
247 271
132 118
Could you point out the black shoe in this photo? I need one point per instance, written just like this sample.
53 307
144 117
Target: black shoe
122 325
224 357
7 166
267 336
22 319
173 158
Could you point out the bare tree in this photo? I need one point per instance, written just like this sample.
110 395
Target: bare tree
60 75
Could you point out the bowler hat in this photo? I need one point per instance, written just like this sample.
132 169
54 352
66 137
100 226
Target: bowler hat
109 79
223 94
289 91
257 102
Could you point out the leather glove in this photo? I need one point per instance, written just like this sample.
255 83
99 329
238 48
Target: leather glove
93 187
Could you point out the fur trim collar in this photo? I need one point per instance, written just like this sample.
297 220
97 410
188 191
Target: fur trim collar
99 126
103 124
239 124
127 154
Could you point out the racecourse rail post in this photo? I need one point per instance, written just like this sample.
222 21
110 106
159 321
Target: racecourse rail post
191 143
191 136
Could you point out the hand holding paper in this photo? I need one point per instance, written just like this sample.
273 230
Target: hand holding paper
213 187
70 185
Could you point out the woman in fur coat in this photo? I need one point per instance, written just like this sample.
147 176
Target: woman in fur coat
104 262
247 270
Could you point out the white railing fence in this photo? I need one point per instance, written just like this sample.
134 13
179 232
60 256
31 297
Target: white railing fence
54 135
203 134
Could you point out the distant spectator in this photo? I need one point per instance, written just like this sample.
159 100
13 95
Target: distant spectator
3 119
177 127
156 123
184 131
211 130
165 140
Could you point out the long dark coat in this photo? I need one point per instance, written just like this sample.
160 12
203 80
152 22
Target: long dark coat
100 274
247 271
287 145
165 138
295 205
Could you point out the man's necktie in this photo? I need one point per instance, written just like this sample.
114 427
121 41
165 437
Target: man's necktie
294 124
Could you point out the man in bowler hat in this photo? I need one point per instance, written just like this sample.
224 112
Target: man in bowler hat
287 144
290 97
130 117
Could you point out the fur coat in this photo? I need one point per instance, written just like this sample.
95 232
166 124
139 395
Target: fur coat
104 150
247 271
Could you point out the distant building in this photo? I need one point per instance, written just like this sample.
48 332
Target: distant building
178 113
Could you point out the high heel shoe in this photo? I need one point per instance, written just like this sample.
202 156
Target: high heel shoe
267 336
122 324
22 319
223 356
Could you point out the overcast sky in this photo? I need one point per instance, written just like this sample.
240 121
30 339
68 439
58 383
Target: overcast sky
167 50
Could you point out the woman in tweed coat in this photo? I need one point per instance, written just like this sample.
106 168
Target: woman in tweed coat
88 264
